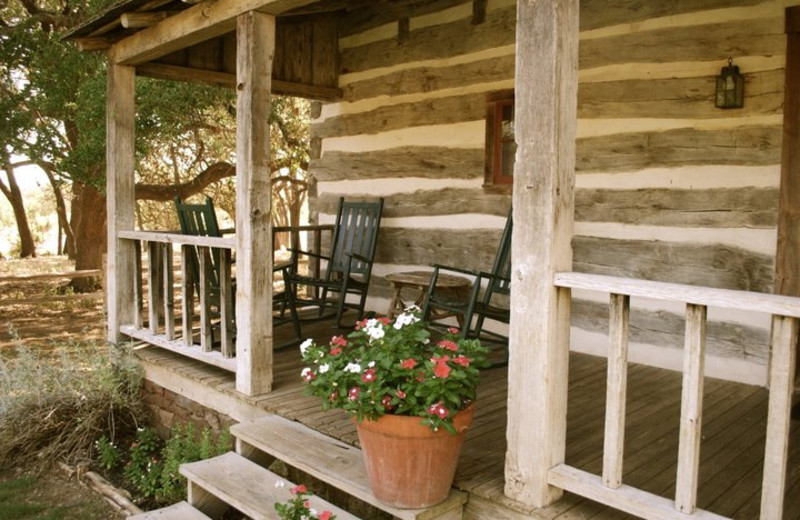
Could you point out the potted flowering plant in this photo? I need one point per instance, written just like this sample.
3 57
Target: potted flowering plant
298 507
395 380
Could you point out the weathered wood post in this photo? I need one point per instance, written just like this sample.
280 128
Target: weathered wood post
120 201
255 35
544 173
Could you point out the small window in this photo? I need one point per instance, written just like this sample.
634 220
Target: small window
500 145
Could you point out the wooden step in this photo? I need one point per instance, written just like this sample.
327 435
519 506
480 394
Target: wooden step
330 460
245 486
179 511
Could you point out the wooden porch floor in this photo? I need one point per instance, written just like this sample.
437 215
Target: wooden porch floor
731 450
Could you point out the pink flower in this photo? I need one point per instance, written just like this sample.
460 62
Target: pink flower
353 393
307 504
461 360
325 515
438 409
368 376
299 489
387 402
385 320
339 341
361 324
307 375
408 363
333 396
441 370
453 330
335 351
449 345
400 394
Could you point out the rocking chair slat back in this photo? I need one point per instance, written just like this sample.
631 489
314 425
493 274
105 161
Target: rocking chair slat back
356 232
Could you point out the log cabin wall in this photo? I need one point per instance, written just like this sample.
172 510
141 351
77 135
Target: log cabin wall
668 187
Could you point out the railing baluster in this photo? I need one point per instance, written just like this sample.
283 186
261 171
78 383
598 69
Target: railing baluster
226 304
206 334
169 293
783 356
616 390
691 409
154 290
187 294
137 285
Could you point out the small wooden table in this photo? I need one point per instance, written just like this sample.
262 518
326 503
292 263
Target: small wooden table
418 281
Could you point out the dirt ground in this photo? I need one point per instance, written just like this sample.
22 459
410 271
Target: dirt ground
47 327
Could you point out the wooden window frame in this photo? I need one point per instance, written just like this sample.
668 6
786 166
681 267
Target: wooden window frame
493 180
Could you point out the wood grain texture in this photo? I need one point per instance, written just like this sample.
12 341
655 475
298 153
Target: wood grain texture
425 246
439 111
616 389
665 329
751 146
385 11
447 201
718 207
689 98
428 162
705 265
441 41
713 41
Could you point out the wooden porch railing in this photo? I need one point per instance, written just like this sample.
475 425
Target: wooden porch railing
608 488
215 331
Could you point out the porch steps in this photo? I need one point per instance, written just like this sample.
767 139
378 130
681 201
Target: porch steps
232 480
179 511
331 461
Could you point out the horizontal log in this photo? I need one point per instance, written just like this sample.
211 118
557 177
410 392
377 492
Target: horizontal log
386 11
596 14
718 41
665 329
447 201
686 98
427 162
463 248
441 111
702 264
441 41
429 79
720 208
749 146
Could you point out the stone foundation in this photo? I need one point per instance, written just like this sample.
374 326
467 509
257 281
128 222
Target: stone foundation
168 409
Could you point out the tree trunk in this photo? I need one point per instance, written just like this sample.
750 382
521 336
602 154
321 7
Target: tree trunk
14 196
89 225
61 211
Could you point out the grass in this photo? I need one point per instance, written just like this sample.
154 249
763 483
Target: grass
20 500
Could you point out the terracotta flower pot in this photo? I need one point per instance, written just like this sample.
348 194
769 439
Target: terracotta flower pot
409 465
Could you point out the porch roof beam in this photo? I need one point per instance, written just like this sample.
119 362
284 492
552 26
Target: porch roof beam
200 22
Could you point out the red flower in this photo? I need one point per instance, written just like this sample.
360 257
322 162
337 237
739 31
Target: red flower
335 351
307 504
387 402
339 341
461 360
353 393
400 394
408 363
449 345
325 515
453 330
439 409
361 324
307 375
441 370
385 320
368 376
299 489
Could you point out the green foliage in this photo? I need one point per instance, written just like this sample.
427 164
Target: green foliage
108 453
54 409
298 507
393 367
154 465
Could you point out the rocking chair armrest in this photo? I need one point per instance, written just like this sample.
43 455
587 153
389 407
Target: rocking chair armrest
360 258
296 252
492 276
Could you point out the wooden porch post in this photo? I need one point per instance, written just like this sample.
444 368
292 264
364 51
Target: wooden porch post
255 35
120 126
544 173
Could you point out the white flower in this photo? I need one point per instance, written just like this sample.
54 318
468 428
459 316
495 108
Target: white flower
280 484
413 309
313 512
324 368
353 367
305 372
371 364
376 333
304 346
405 319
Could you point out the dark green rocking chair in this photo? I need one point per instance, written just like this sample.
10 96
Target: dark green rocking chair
492 305
349 265
201 220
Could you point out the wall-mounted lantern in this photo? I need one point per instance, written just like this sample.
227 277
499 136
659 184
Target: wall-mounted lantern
730 87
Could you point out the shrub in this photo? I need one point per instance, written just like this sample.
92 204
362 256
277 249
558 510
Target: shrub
54 408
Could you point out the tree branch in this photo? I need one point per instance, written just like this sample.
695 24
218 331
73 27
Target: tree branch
214 173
